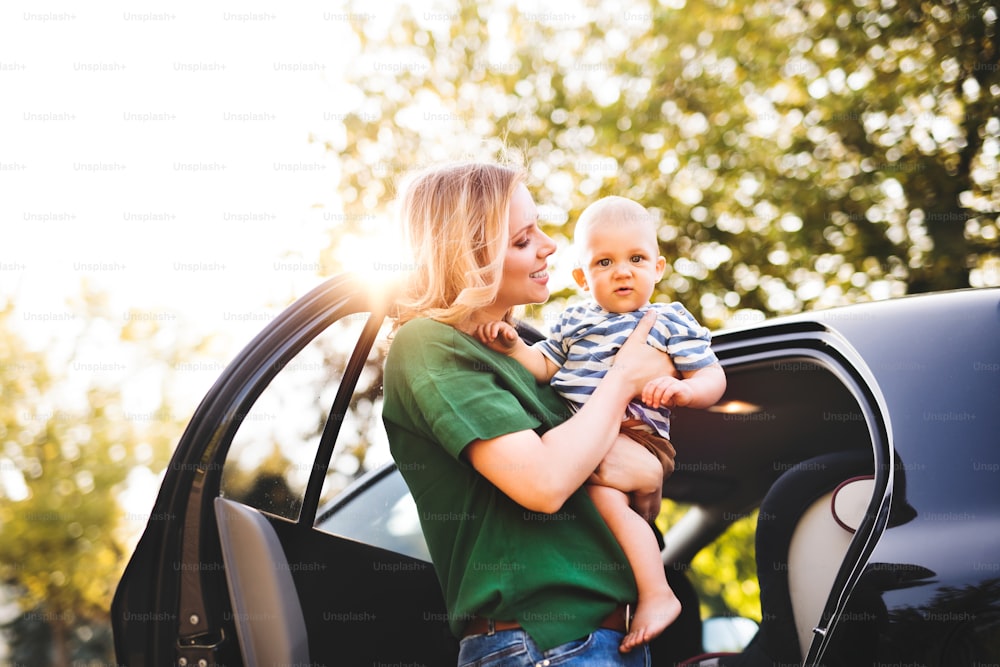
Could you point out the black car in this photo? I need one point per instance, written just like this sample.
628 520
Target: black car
866 439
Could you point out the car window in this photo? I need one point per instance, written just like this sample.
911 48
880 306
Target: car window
361 444
273 450
364 497
379 511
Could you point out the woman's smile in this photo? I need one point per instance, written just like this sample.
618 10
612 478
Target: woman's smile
542 274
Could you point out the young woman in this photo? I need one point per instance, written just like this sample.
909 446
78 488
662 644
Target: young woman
495 461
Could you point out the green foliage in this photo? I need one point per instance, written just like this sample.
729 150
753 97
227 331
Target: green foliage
64 463
725 573
800 155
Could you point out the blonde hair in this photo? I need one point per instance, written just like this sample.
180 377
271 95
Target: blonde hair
455 220
613 210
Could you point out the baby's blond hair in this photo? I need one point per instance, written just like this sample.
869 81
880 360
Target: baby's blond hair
613 210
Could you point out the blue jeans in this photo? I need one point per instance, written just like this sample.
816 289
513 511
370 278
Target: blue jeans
514 648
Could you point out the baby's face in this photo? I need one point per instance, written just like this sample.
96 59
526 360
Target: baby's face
620 264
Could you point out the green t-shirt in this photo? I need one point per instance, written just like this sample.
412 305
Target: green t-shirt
557 574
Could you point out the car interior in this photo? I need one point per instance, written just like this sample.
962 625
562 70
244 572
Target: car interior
796 438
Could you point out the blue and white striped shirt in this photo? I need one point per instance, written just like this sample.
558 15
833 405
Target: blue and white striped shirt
584 341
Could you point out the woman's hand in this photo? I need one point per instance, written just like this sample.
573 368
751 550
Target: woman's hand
631 468
639 362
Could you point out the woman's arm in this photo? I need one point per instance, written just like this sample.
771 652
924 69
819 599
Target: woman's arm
540 473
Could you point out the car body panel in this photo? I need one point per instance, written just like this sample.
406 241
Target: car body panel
936 576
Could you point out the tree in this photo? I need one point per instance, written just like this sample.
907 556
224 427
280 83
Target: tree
801 155
63 465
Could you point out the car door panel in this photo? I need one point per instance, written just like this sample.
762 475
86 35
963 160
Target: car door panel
364 605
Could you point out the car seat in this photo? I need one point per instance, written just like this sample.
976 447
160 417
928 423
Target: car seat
266 611
804 527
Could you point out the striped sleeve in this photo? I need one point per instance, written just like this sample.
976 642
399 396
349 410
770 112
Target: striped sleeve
686 341
556 346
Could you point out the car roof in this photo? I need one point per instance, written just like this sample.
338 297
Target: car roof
851 319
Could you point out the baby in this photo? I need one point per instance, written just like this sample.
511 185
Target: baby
620 265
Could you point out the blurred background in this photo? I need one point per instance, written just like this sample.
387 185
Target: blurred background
173 175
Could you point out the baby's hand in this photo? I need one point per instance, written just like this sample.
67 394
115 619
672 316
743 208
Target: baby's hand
667 391
498 336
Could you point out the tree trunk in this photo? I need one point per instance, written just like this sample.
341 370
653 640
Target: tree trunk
60 642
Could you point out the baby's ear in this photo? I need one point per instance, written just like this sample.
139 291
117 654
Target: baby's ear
661 265
580 278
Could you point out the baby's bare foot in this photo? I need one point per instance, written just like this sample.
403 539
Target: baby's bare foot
652 616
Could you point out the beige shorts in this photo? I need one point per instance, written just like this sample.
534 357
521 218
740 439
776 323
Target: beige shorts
659 446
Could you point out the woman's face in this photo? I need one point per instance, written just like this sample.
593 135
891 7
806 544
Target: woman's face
525 266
